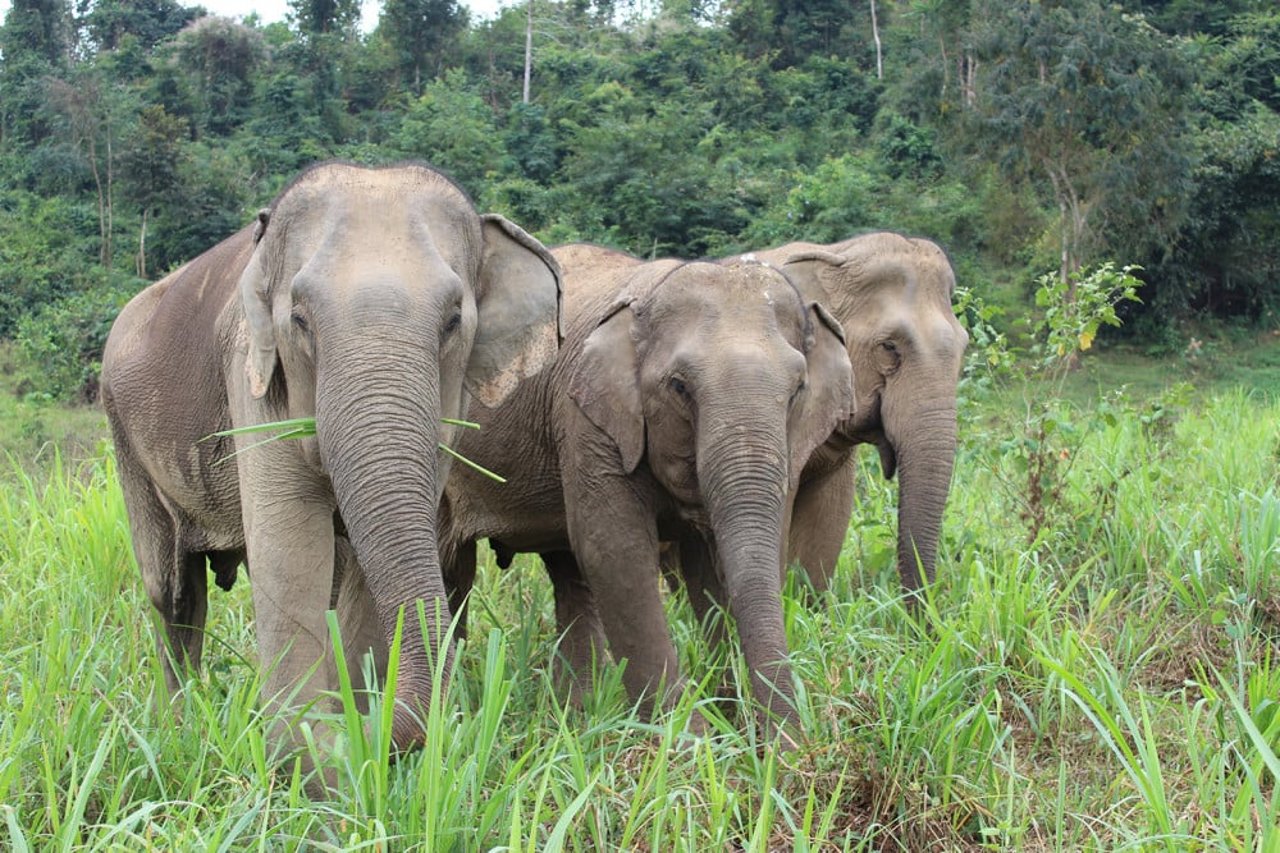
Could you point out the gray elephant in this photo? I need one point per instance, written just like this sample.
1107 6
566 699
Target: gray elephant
376 301
683 405
892 294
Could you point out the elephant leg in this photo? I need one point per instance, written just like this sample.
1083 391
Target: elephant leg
184 617
457 564
582 638
174 579
289 535
362 635
706 593
615 540
819 523
669 563
459 579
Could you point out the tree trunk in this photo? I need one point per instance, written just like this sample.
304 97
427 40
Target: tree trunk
875 33
141 261
110 181
528 51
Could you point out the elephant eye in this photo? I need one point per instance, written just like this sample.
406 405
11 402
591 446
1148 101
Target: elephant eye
677 385
888 346
799 388
454 322
300 321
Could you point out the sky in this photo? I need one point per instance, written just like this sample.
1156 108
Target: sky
276 10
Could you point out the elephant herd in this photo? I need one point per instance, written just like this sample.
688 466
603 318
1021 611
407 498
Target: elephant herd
689 418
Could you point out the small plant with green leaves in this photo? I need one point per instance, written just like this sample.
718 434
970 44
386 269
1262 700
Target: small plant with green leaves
1075 310
1045 445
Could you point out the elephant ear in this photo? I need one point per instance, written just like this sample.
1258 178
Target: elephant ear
605 384
810 270
260 362
828 396
518 311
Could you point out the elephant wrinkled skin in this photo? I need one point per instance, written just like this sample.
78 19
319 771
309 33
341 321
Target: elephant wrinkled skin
683 405
892 294
376 301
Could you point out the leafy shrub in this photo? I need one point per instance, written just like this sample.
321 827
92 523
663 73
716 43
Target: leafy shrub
44 244
66 338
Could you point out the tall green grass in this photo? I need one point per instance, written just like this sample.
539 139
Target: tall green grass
1115 685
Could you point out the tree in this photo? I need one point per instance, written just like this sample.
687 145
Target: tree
36 42
1089 103
322 17
88 109
420 31
792 30
149 168
108 22
218 58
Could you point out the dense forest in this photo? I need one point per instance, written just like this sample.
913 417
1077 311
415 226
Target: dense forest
1025 137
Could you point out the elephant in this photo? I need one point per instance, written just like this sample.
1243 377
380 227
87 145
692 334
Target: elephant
376 301
683 404
892 294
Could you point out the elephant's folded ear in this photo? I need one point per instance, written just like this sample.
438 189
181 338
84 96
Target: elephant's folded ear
604 383
518 308
260 361
828 396
808 271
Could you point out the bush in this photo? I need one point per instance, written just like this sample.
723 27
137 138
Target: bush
65 339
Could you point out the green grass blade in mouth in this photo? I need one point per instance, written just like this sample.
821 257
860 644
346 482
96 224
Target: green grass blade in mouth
306 427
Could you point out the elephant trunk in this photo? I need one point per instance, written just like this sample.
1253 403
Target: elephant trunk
378 430
745 485
925 447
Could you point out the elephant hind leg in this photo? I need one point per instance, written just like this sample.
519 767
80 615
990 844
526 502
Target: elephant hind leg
582 643
184 617
458 564
173 577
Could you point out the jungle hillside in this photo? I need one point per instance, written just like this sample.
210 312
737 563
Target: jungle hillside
1023 137
1098 663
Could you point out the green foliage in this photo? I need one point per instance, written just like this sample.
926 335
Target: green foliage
1075 309
66 338
452 128
46 250
1112 689
1016 135
1045 445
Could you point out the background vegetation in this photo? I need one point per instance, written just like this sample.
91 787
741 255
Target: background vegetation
1097 668
1022 136
1099 664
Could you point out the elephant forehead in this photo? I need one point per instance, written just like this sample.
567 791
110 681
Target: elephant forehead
726 291
368 210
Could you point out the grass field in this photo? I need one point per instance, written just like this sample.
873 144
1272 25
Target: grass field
1098 668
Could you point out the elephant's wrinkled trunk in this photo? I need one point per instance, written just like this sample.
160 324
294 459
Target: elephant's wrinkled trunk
745 484
926 448
377 423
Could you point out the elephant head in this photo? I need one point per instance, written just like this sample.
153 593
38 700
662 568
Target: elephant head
893 296
378 301
722 381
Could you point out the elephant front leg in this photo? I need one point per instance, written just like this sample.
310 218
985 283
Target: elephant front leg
290 542
819 523
615 540
582 637
706 593
362 636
